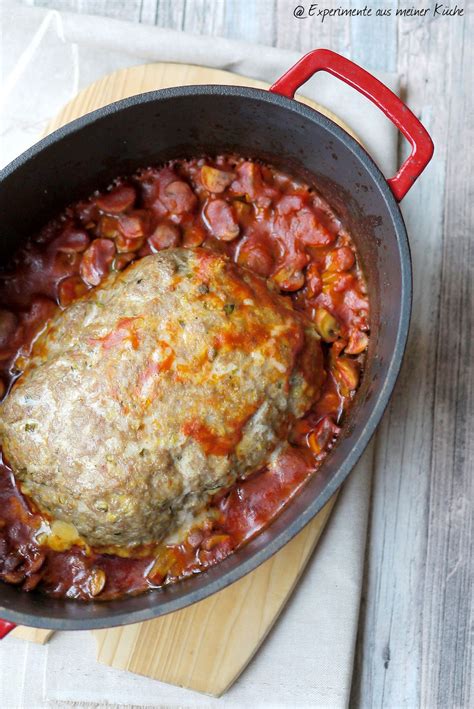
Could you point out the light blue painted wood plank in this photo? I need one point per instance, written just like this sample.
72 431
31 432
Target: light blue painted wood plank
249 20
374 38
310 33
415 647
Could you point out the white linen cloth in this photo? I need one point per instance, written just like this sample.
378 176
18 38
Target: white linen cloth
307 660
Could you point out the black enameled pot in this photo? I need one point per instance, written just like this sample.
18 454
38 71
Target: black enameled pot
188 121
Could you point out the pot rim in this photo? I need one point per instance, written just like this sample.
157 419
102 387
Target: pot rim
204 590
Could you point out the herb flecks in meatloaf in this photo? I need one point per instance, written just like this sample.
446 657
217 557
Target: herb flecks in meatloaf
169 380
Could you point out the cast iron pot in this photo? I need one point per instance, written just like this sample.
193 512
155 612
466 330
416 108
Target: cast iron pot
192 120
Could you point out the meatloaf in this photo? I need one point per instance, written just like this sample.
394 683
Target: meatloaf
157 388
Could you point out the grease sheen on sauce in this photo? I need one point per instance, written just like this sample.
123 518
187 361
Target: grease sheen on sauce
265 220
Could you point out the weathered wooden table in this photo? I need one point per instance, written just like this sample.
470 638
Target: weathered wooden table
414 644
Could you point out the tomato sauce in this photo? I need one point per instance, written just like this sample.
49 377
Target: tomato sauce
263 219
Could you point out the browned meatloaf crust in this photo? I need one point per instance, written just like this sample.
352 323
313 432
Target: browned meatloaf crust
163 384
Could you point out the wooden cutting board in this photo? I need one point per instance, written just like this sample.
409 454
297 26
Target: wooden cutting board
204 647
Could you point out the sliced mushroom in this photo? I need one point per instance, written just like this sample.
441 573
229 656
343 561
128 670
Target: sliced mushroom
216 180
162 564
358 342
96 582
288 278
327 325
347 373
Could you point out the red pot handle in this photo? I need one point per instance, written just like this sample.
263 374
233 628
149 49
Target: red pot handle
386 100
5 628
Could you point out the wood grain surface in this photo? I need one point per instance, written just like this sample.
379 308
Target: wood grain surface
149 77
32 635
414 647
206 647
